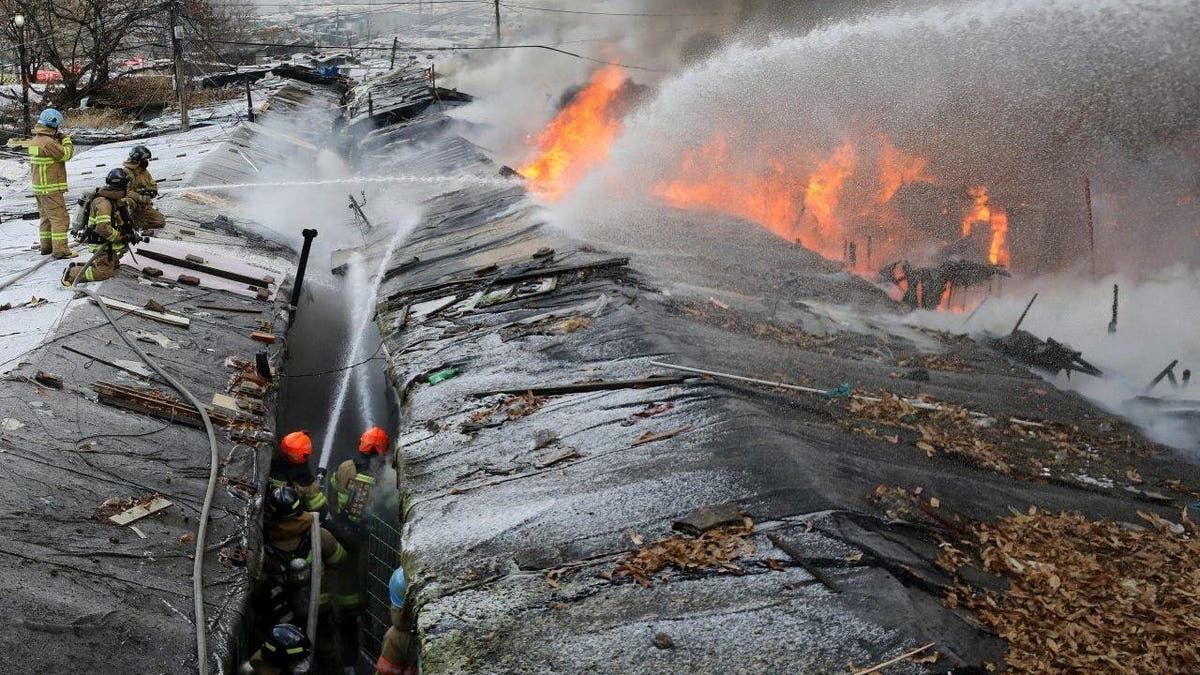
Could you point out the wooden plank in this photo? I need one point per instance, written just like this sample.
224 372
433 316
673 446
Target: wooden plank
603 385
169 319
138 512
257 282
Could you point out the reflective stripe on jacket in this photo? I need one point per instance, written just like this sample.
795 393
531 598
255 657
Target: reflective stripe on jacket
47 158
104 217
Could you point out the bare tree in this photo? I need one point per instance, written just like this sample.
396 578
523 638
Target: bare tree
79 37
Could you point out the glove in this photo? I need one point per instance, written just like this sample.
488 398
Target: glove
130 202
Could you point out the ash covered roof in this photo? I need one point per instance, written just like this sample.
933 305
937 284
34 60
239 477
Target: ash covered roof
526 511
86 433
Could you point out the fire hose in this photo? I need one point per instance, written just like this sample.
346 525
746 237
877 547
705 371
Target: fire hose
202 528
314 591
24 273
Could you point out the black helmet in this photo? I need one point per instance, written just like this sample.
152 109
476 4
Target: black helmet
286 646
117 179
140 154
283 503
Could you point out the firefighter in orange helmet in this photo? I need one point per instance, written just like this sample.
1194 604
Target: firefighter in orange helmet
292 470
352 484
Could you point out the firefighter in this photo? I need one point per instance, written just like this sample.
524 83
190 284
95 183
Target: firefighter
142 190
294 450
282 653
288 564
107 232
352 484
49 152
396 655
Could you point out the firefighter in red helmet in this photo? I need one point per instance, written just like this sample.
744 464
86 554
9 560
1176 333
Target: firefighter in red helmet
291 469
352 484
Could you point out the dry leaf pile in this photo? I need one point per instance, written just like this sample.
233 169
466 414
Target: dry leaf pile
1087 596
716 548
951 429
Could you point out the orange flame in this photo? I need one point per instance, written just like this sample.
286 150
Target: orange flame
578 138
812 202
996 218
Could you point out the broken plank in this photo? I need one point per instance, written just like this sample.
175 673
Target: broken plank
795 554
138 512
155 404
169 319
581 387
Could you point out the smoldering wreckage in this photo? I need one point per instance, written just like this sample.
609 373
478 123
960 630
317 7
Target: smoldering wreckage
595 473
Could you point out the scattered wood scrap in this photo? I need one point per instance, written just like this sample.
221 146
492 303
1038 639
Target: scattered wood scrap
133 510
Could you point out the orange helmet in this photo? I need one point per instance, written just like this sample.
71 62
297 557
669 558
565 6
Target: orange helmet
296 447
374 440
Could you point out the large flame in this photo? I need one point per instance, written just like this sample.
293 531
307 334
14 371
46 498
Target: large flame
810 200
579 136
983 212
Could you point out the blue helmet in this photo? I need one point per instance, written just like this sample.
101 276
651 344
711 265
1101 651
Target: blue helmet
397 587
50 118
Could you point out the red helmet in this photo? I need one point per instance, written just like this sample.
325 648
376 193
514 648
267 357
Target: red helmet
374 440
296 447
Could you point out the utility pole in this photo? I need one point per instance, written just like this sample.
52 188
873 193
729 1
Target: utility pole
497 23
395 41
180 75
249 101
19 22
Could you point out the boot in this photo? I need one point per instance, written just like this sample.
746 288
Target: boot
65 255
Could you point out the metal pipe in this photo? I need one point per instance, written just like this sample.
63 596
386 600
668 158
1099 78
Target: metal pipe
297 287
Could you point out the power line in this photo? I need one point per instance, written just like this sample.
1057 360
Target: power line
440 49
591 13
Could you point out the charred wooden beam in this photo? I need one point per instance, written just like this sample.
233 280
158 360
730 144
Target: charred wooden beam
156 404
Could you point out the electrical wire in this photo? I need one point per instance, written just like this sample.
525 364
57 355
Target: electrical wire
373 357
442 49
210 491
593 13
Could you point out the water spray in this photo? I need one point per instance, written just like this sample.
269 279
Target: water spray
356 180
362 314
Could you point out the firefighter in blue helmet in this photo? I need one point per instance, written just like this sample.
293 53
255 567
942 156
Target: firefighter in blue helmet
49 152
397 656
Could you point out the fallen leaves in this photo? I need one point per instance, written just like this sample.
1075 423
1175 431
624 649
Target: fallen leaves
717 548
1086 596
